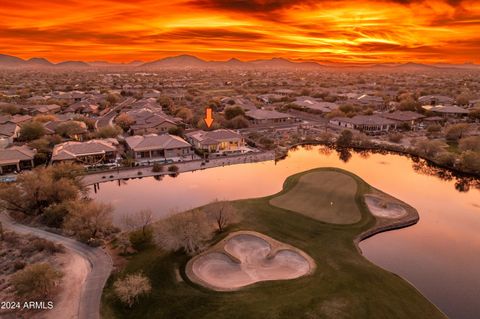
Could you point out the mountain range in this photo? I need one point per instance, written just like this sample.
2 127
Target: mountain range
186 61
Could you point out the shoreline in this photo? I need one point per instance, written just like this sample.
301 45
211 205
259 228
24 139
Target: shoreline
190 166
383 148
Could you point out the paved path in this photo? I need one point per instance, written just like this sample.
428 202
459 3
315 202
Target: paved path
100 264
107 119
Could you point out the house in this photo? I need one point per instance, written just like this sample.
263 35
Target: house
369 124
16 158
284 92
20 119
447 110
148 121
404 117
43 109
370 100
314 105
8 132
269 98
88 153
221 140
244 103
435 100
84 107
266 117
434 120
158 147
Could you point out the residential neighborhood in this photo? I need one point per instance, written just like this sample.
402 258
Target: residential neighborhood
121 119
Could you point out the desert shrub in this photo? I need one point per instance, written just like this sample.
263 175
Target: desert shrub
139 239
157 168
345 138
470 161
455 132
445 158
41 244
130 288
395 137
471 143
173 168
187 231
36 280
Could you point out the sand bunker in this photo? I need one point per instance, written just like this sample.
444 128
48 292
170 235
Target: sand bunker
244 258
381 207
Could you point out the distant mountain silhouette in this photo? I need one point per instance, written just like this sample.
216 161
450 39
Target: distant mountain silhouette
39 62
9 60
186 61
180 61
190 61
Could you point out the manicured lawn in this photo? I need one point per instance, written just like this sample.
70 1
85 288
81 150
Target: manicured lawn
344 285
323 195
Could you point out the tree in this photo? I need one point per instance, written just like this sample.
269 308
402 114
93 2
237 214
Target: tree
185 114
130 288
125 121
470 161
35 191
395 137
165 102
112 99
89 220
187 231
178 131
455 132
445 158
345 138
36 280
222 213
233 111
463 98
335 113
70 128
238 122
474 113
44 118
139 220
109 132
471 143
434 128
429 148
8 108
31 131
408 104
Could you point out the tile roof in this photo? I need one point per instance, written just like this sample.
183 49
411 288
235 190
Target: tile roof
154 141
71 150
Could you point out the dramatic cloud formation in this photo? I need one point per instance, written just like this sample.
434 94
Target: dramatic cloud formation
336 30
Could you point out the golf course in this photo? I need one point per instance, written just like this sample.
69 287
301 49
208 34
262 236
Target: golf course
293 254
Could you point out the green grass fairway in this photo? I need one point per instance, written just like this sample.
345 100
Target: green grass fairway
328 196
343 285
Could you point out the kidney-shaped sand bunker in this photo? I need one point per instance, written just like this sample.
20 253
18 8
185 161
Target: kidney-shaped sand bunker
244 258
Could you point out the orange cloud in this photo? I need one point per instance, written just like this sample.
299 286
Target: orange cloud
336 30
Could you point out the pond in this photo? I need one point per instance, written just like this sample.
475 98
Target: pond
440 255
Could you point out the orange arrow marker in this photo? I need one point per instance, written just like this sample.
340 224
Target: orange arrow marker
208 116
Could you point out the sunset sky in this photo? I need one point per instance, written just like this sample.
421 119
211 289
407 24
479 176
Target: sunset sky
335 31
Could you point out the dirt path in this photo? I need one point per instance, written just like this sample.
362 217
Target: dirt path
99 268
75 269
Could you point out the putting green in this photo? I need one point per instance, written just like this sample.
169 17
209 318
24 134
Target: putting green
343 284
327 196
